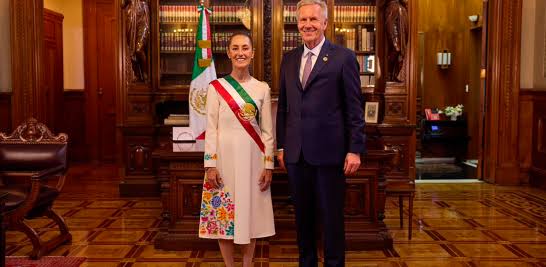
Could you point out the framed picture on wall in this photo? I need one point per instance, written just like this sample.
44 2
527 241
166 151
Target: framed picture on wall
371 112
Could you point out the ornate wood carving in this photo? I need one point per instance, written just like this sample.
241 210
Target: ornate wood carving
31 131
26 60
267 41
395 109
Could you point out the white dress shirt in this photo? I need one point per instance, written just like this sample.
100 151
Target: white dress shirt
316 52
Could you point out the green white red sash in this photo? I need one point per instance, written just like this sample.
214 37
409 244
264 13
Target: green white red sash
243 106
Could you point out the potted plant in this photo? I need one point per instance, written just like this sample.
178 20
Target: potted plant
453 112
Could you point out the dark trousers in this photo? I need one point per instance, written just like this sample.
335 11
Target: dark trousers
322 188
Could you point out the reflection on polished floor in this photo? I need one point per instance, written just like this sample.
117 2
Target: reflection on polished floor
455 225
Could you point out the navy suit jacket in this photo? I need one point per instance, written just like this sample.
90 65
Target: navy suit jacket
324 120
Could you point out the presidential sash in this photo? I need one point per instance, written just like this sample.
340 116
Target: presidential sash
242 105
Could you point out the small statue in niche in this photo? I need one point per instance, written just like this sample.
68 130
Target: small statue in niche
137 33
397 23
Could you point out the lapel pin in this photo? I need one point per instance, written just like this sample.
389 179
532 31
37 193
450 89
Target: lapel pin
325 58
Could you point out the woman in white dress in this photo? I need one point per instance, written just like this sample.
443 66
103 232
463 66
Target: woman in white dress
236 202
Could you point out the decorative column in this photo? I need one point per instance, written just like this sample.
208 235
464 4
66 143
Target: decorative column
502 87
26 60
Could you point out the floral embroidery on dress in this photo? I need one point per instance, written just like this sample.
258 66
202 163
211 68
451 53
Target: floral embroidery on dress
211 156
217 213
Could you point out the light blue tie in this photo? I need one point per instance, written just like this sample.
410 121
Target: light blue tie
307 69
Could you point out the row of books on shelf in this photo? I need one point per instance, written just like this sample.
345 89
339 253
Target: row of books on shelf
177 41
366 63
348 37
291 40
185 41
228 13
185 14
289 14
361 14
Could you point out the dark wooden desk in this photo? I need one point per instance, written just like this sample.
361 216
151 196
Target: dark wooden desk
180 175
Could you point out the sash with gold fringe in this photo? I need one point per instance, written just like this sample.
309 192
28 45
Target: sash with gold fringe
243 106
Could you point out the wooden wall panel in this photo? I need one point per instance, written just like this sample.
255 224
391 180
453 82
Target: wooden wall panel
525 136
532 137
5 112
444 87
444 24
74 125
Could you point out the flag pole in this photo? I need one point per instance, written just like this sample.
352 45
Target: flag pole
203 73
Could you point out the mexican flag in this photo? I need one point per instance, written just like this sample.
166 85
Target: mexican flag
203 73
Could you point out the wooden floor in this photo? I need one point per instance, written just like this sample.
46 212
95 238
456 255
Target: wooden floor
455 225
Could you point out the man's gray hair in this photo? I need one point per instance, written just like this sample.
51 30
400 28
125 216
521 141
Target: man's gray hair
321 3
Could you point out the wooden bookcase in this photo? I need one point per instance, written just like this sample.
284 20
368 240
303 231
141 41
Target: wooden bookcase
170 53
356 24
351 23
360 26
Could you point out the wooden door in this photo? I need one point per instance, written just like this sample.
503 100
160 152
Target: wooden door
101 67
53 70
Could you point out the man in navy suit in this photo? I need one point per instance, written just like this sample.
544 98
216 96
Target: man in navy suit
320 132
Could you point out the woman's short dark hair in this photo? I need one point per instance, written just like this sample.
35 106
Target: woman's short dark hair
239 34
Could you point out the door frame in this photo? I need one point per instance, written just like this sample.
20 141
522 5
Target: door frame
500 159
502 83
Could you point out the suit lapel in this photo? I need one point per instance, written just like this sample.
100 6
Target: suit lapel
299 52
322 60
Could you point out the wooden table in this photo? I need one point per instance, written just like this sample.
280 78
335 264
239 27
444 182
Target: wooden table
180 175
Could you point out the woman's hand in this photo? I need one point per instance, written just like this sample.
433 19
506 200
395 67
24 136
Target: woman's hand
265 179
213 177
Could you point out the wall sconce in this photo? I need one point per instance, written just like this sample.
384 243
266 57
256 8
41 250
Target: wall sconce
443 59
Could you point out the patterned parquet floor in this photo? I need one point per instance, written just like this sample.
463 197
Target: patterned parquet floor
454 225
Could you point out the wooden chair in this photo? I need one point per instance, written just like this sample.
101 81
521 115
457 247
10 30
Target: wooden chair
29 158
402 191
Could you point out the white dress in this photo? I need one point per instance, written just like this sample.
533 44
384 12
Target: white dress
239 210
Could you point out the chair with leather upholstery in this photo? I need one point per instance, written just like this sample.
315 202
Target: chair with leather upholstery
31 159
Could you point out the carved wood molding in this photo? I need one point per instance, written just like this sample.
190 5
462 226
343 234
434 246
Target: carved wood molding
31 131
26 17
267 41
502 78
